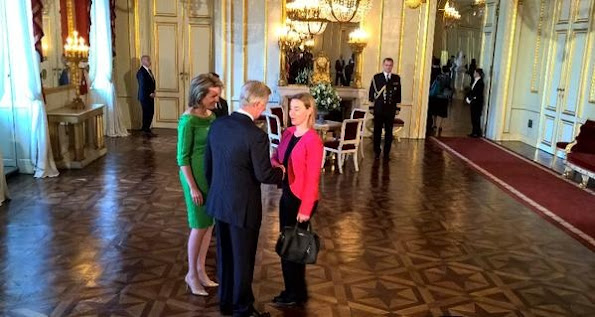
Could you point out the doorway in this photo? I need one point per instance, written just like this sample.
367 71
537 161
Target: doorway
460 46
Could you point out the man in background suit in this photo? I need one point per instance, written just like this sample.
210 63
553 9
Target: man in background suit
236 164
385 94
146 94
221 109
339 68
475 100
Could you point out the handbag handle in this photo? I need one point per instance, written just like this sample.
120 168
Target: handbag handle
309 226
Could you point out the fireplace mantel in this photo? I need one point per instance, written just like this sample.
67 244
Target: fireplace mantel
358 97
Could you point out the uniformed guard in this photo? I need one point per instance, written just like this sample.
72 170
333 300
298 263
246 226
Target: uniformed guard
385 94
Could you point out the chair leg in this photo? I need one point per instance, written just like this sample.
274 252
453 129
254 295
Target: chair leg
361 149
340 159
568 172
323 158
585 181
355 161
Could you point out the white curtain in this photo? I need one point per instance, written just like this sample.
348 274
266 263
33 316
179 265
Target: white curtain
100 68
27 97
3 187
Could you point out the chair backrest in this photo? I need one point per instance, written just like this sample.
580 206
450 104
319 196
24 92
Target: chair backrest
351 130
278 111
585 140
358 113
273 127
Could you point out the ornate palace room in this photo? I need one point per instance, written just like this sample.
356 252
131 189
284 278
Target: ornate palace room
297 158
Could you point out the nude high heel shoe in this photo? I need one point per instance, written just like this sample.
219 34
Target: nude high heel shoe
195 287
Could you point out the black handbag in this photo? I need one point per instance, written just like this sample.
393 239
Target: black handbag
298 245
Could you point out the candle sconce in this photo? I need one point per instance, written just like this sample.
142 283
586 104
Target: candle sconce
358 39
76 51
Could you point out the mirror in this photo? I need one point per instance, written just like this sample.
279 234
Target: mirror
56 28
333 43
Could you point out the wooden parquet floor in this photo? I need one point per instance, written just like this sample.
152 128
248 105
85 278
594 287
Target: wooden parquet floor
424 235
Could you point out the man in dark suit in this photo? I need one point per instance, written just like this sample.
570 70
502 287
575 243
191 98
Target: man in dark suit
385 94
221 109
475 100
146 94
236 164
348 72
339 68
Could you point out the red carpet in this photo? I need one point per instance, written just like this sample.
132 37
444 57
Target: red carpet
547 193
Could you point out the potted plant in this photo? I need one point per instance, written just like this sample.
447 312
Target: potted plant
327 99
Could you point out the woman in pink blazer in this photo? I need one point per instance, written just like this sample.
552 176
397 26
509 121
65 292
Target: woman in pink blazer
300 152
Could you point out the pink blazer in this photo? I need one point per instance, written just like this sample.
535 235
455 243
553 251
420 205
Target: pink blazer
303 167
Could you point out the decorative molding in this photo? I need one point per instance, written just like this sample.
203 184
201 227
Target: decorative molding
156 14
158 110
176 62
559 12
245 39
231 52
380 33
576 18
266 40
399 65
508 69
537 53
423 90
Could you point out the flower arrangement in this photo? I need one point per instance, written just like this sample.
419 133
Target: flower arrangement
327 98
304 77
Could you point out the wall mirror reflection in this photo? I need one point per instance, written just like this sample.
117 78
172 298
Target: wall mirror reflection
59 19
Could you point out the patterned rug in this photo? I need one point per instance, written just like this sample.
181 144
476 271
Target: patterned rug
557 199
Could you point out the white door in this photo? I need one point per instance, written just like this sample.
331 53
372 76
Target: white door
566 62
182 50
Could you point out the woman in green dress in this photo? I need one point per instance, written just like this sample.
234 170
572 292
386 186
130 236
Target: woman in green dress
192 137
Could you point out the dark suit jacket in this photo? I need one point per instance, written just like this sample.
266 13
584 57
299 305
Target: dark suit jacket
146 84
221 109
476 94
386 102
236 163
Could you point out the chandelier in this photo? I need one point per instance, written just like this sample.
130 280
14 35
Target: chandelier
305 10
451 13
308 28
344 11
414 4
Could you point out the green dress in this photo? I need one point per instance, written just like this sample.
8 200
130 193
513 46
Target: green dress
192 142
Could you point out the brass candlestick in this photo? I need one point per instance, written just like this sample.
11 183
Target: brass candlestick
75 52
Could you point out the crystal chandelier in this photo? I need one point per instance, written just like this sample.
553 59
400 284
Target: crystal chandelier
344 11
305 10
414 4
451 13
308 28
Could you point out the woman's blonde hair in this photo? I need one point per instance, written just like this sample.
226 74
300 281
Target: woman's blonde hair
309 103
199 88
